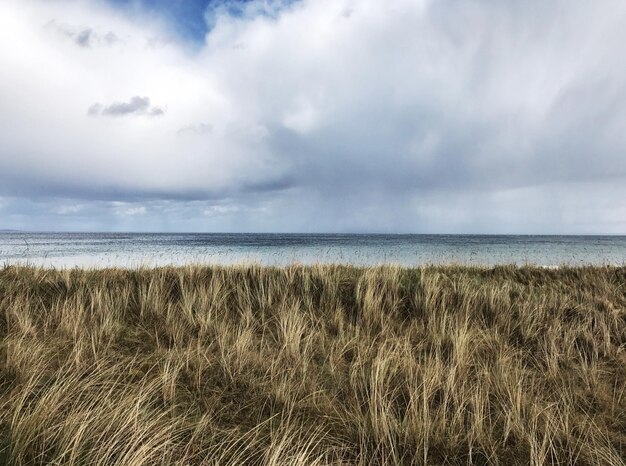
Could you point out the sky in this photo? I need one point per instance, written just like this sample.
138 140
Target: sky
397 116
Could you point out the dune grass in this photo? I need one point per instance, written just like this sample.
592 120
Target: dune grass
313 366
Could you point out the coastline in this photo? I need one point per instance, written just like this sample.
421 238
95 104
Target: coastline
99 264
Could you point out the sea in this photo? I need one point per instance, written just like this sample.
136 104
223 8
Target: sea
100 250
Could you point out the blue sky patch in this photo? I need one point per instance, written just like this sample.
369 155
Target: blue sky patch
187 17
192 19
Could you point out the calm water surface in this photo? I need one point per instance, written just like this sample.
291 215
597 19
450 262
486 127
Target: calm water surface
114 249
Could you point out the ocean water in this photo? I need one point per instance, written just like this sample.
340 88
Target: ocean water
134 249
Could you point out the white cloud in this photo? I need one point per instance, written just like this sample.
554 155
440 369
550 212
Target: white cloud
68 209
302 117
135 211
48 85
337 114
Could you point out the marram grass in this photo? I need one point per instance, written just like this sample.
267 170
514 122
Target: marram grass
248 365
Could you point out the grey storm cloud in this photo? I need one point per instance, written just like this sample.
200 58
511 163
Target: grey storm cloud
87 37
135 106
84 36
42 186
343 115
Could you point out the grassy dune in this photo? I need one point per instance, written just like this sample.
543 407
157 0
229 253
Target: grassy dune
313 366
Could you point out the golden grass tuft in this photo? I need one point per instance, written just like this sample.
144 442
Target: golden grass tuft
314 365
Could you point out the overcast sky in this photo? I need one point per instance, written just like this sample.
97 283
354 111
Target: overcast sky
425 116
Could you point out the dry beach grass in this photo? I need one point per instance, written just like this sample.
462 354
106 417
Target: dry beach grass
313 365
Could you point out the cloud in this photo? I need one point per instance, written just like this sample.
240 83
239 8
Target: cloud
230 209
334 115
135 106
68 209
84 36
140 210
196 129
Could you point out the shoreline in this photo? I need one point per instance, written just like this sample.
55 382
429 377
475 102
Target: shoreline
100 265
